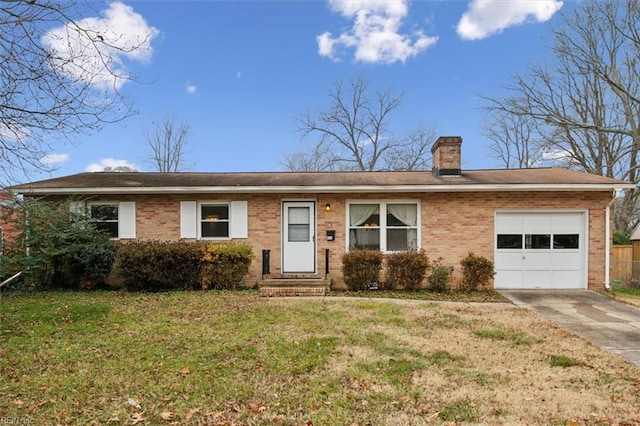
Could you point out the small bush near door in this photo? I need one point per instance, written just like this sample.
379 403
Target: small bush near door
225 265
439 277
406 269
477 272
361 268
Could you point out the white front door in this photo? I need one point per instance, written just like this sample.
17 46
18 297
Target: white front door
298 237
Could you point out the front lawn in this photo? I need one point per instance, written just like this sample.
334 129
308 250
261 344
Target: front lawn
222 358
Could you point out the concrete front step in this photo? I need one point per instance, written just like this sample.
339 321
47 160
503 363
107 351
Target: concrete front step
293 287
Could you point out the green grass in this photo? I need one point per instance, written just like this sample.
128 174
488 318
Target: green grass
464 411
564 361
517 337
619 288
234 358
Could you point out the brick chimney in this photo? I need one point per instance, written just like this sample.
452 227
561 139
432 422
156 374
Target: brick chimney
445 155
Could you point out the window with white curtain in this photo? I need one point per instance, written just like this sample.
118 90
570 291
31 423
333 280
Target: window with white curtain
386 226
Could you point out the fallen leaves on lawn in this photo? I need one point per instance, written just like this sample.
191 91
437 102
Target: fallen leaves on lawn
256 408
233 407
137 418
166 415
191 413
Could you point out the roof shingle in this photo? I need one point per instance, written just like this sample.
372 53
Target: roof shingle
425 181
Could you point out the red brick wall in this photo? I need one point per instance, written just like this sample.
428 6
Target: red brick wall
7 219
452 223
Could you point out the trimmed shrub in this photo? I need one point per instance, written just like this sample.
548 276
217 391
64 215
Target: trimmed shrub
225 265
439 277
159 265
361 268
406 269
477 272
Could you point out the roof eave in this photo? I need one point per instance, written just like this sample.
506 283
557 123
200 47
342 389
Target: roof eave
330 189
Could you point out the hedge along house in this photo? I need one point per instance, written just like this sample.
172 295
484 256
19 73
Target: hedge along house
543 228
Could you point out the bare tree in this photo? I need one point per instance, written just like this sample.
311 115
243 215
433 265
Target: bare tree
168 140
318 158
515 141
60 75
411 152
585 101
353 133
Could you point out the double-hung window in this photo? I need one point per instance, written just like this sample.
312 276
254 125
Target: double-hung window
105 217
211 220
117 219
387 226
214 220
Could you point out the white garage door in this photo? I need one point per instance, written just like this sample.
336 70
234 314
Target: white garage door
540 250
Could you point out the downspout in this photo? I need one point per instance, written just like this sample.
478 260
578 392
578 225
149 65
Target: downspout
607 241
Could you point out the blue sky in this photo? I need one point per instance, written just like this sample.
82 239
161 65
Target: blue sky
240 72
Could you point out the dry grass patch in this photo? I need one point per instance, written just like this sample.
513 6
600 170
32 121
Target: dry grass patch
229 358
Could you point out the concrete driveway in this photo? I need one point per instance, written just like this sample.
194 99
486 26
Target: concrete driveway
611 325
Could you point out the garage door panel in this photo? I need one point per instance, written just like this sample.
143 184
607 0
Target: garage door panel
566 279
509 224
537 259
536 224
564 260
508 279
566 224
536 279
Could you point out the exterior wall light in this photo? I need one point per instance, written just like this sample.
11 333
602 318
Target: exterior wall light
328 207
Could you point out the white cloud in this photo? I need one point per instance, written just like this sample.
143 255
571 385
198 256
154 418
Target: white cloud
51 159
112 164
486 17
190 89
375 34
97 55
556 155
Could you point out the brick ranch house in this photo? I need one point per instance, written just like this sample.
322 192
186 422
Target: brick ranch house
544 228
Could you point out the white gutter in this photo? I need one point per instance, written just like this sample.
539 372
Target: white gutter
607 241
322 189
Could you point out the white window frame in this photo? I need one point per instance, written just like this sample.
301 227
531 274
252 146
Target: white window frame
105 203
126 216
200 220
191 215
382 203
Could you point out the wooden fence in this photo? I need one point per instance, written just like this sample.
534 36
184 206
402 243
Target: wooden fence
622 264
